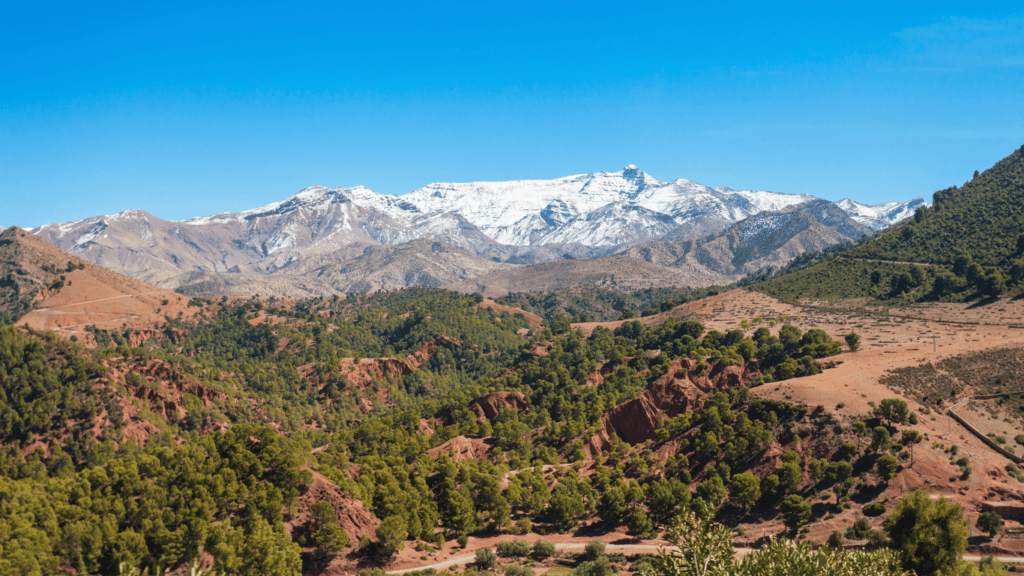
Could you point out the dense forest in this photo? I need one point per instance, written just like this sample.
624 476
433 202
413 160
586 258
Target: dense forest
208 438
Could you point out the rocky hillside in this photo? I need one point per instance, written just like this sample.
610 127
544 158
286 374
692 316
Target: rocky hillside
761 241
415 263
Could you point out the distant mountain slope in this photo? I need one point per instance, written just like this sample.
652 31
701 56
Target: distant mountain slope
151 249
615 272
313 222
880 215
696 228
765 240
415 263
984 219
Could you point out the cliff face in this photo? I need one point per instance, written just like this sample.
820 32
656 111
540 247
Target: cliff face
636 420
489 405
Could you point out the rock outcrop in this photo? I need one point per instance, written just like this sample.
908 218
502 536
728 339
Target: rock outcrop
679 390
489 405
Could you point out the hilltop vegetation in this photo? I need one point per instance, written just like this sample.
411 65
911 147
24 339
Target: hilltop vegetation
596 304
983 219
969 244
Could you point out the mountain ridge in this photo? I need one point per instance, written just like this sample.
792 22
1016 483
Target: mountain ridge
523 222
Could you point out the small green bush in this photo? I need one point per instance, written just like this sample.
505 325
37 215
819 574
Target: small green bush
515 548
543 549
874 509
486 558
594 549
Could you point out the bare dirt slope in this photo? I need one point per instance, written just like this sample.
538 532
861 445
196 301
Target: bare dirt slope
80 293
534 320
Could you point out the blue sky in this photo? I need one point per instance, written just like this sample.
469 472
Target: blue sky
187 109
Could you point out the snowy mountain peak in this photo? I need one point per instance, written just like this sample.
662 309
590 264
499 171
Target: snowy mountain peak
880 215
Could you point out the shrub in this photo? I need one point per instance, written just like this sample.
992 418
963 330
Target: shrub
795 511
836 540
543 549
1015 472
513 548
598 567
853 341
874 509
990 523
644 563
594 549
486 558
860 529
887 467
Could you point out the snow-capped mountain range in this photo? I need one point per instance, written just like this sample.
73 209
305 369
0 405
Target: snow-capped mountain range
538 212
599 209
496 220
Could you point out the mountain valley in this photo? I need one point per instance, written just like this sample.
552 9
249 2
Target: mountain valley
329 400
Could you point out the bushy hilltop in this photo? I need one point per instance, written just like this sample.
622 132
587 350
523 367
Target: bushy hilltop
970 244
597 304
983 219
229 435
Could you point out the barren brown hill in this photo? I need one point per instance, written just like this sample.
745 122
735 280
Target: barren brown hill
65 293
534 320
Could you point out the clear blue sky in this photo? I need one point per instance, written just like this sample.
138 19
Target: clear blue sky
187 109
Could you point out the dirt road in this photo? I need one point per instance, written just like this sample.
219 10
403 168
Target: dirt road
464 559
614 548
